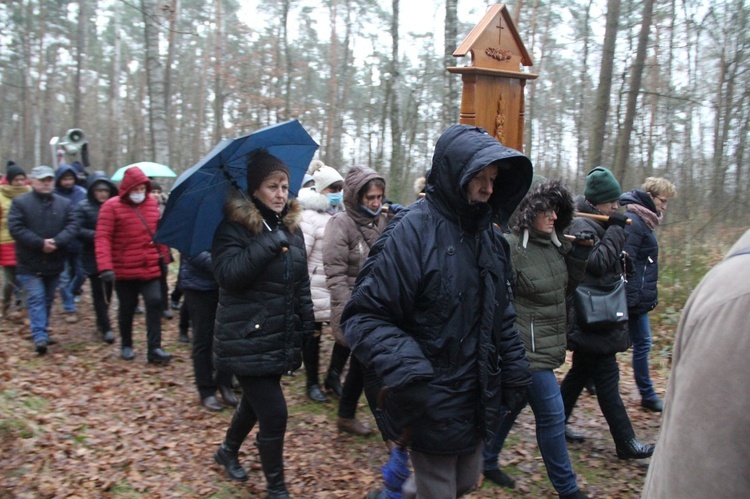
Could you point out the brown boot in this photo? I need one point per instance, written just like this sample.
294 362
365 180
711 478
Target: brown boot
353 426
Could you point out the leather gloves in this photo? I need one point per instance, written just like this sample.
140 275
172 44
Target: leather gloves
582 246
107 276
279 238
514 398
618 219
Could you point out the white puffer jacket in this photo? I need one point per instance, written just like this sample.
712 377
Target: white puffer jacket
314 220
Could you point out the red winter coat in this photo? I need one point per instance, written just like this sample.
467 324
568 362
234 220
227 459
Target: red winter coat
122 242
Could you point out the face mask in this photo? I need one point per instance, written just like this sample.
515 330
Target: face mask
370 212
335 198
137 198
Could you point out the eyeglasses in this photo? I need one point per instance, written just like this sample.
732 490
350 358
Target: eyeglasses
550 213
663 201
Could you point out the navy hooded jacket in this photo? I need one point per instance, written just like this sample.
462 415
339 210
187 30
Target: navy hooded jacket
643 248
87 214
433 303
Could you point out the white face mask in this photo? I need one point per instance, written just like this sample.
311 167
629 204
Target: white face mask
137 198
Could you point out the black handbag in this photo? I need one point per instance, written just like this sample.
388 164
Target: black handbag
600 307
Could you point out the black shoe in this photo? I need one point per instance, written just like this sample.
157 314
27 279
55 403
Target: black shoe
655 405
573 437
109 337
127 353
333 383
228 396
230 460
212 404
633 449
138 310
183 337
315 394
175 305
575 495
167 314
159 356
500 478
40 347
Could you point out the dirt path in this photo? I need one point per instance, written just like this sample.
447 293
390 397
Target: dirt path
81 422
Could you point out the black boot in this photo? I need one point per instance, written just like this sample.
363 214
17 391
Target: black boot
228 456
333 382
243 421
272 461
633 449
311 359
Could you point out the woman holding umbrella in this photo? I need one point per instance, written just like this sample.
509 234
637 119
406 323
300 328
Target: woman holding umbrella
265 311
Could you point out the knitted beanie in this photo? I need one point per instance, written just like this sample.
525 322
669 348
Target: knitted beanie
14 171
325 176
601 186
261 164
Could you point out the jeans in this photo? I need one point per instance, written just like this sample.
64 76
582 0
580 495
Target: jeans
127 295
40 291
202 308
640 335
605 372
71 281
549 413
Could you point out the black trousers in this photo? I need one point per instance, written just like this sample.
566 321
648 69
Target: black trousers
101 293
202 309
311 355
127 294
605 372
353 388
262 401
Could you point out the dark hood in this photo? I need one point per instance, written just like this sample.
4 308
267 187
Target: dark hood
62 170
549 195
460 153
95 177
637 196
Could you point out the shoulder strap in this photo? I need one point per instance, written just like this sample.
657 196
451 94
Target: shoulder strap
145 224
745 251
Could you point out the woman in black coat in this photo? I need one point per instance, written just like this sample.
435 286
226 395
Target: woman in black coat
265 310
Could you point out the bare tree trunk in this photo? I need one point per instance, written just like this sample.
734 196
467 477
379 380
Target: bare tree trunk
330 118
601 105
171 50
218 88
112 146
80 55
450 90
288 62
397 158
636 76
155 77
583 88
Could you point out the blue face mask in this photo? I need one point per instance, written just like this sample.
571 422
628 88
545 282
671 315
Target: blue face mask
335 198
370 212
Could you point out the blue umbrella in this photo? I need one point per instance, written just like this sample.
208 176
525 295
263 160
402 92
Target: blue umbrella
195 205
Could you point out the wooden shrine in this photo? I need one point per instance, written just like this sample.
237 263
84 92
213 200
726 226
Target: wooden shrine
494 79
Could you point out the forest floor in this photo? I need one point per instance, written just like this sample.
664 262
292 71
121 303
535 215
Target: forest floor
81 422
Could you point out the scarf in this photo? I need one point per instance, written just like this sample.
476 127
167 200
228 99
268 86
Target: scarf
650 218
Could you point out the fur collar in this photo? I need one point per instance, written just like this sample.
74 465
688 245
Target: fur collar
241 209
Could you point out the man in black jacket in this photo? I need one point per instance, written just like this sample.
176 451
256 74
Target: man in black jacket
431 313
43 226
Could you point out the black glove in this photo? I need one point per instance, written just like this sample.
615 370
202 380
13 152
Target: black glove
582 245
514 398
407 404
280 240
617 219
107 276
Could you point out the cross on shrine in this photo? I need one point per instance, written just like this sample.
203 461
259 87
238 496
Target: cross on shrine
500 31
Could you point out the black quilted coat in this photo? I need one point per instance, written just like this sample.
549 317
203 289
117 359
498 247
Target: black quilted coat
265 308
433 304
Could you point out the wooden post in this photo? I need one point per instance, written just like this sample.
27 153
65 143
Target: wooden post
494 80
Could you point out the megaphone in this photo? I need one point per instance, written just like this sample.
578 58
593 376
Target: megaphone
74 140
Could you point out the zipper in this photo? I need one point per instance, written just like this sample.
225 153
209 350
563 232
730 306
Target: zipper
533 343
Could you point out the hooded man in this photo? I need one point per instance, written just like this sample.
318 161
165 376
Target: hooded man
431 312
72 278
